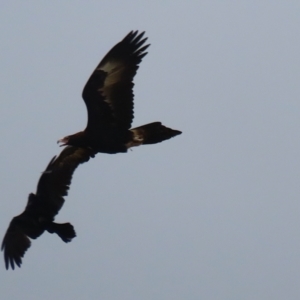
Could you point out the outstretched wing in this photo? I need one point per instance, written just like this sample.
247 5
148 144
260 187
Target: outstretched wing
108 93
56 179
53 185
15 243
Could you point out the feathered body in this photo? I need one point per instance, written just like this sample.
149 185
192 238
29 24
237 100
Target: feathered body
108 95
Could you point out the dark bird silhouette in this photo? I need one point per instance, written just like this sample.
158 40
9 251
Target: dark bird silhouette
43 206
108 97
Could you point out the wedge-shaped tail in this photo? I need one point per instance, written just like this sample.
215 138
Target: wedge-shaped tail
151 133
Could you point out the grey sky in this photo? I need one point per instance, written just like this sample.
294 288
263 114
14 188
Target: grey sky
211 214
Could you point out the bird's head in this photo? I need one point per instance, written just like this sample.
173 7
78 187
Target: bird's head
64 141
77 140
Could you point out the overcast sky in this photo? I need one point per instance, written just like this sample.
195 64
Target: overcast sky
210 214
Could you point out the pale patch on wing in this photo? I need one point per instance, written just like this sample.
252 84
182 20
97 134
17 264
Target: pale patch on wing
114 70
109 66
114 76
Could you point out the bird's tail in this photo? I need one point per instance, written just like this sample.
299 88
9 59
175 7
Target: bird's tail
65 231
151 134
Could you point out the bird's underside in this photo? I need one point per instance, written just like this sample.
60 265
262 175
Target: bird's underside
116 141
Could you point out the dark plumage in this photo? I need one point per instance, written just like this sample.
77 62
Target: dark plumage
108 97
43 206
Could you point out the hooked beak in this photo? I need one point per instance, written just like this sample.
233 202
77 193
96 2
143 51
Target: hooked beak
63 141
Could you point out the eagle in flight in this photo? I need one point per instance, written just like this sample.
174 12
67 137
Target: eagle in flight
108 95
